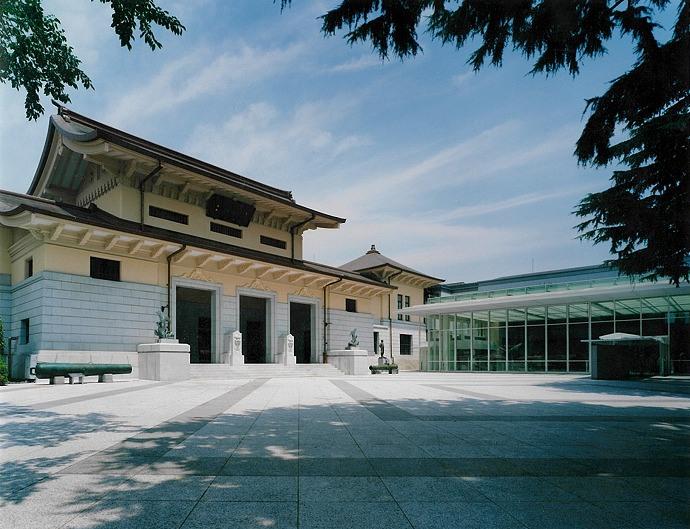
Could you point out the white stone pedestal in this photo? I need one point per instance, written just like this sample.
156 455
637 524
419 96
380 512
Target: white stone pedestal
164 360
350 361
287 351
233 349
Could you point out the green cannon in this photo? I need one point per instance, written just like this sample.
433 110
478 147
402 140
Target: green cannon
57 372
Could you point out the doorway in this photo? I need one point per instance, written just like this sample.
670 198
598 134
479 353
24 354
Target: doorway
253 328
194 323
301 330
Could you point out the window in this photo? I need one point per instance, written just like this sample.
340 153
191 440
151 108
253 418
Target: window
400 305
166 214
407 304
28 267
276 243
376 342
405 344
351 305
24 331
105 269
226 230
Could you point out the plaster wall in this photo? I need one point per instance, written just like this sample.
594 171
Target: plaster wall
123 202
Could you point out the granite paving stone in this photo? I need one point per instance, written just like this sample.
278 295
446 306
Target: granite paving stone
416 450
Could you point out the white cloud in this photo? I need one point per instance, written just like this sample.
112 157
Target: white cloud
487 208
201 72
461 78
274 145
354 65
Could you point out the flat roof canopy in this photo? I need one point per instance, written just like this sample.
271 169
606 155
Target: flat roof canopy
584 295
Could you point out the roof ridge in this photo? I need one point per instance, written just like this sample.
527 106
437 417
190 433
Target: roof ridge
85 120
32 197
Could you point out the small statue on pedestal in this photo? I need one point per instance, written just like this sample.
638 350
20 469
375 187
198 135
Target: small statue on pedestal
163 327
354 341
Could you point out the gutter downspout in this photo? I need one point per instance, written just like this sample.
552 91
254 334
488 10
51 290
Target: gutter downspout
390 318
293 229
169 258
325 314
142 183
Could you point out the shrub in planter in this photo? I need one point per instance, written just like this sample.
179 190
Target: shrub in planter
3 372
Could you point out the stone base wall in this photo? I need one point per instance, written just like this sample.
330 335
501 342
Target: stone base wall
342 322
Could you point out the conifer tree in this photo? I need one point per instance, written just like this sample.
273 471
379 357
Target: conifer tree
645 215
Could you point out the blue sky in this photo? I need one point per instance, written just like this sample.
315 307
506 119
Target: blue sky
461 175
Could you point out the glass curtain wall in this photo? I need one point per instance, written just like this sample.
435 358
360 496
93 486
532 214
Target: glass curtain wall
552 338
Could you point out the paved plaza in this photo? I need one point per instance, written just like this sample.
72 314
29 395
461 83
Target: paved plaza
414 450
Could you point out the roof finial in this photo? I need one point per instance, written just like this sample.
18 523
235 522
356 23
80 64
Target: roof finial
373 249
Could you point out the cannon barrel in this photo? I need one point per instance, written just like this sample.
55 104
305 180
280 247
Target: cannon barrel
55 369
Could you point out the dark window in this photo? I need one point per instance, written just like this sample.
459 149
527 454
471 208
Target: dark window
276 243
229 210
405 344
29 267
400 305
226 230
105 269
166 214
376 342
24 331
407 304
350 305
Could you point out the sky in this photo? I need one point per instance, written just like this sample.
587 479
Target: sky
462 175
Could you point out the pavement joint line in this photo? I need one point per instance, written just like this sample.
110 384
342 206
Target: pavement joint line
453 388
554 418
467 392
228 459
383 409
83 398
231 398
367 459
199 500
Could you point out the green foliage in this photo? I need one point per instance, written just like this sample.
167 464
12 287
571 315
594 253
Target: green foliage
35 55
645 215
4 376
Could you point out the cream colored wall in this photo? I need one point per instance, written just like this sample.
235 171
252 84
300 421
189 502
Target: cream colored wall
71 260
123 202
416 298
5 243
76 261
364 305
25 247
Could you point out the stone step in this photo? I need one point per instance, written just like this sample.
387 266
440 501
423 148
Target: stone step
224 371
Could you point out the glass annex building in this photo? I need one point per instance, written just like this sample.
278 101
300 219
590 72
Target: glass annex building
544 322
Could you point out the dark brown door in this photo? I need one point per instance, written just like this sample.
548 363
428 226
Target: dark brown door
255 352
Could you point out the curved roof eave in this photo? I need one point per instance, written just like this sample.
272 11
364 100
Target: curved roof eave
177 238
401 269
153 150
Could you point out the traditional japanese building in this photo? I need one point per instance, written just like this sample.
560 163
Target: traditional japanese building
114 229
403 335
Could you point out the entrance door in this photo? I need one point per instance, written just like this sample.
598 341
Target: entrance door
253 329
193 322
300 328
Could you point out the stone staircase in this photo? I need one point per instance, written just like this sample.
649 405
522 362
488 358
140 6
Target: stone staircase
225 371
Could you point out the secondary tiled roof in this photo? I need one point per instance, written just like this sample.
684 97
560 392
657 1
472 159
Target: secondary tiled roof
374 259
